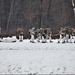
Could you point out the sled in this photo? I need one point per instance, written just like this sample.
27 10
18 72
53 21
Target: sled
9 41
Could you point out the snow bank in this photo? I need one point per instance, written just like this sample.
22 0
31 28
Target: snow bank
9 39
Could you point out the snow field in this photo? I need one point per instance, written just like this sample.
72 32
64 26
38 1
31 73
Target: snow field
37 58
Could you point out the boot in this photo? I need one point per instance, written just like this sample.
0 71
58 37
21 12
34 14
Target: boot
32 42
67 41
43 41
70 42
38 41
51 41
63 42
58 41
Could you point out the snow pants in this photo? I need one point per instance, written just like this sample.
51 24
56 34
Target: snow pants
39 38
32 38
20 38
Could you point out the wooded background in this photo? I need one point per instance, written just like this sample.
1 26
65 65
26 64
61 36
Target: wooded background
35 13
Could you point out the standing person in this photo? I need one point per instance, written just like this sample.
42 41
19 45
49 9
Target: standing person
43 34
32 33
72 34
38 35
49 34
67 32
20 32
0 35
60 33
21 36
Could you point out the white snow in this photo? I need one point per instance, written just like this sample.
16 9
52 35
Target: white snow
37 58
9 39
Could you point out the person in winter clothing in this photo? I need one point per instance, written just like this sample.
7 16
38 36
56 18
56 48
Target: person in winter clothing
32 34
20 31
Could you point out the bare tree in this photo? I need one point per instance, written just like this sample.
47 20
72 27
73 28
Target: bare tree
11 10
73 6
1 7
30 16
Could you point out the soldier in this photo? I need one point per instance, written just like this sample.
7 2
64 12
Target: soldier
60 31
72 33
32 33
0 35
38 35
67 33
74 36
49 34
61 34
20 31
43 34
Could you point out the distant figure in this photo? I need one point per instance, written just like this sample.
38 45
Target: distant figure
0 32
0 35
32 34
38 35
20 32
62 35
72 35
43 32
49 34
66 34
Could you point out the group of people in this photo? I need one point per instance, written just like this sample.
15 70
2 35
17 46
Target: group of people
41 33
67 34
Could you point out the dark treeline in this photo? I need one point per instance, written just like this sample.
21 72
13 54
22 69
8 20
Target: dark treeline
37 13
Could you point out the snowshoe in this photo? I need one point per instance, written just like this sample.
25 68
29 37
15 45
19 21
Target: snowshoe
67 41
43 41
20 40
63 42
32 42
0 41
51 41
70 42
58 41
38 41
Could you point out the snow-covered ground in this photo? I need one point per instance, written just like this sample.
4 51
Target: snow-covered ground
37 58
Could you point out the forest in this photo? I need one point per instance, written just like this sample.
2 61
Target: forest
35 13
